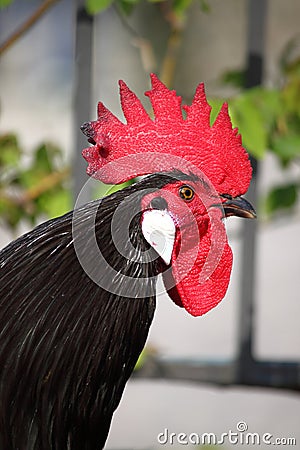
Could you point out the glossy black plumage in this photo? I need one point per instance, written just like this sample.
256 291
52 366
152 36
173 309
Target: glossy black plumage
68 346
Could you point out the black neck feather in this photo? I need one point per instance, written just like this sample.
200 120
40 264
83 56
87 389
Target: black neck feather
68 345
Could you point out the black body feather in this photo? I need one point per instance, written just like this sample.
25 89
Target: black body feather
67 345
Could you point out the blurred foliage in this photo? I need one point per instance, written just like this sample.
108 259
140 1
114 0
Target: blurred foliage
102 190
4 3
39 190
34 190
148 353
281 197
179 7
269 120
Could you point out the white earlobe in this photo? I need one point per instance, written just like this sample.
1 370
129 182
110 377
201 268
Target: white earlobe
159 231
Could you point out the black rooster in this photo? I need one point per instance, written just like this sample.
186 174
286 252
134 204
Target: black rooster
71 331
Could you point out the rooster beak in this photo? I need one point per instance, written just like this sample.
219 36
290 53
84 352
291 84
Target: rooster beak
159 231
239 207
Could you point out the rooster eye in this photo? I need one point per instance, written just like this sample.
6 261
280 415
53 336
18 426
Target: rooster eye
186 193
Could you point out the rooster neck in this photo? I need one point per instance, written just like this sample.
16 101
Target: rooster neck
67 345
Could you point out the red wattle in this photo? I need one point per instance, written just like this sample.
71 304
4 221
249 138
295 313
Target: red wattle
188 291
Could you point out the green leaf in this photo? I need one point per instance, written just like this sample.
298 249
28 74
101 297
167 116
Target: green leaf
4 3
107 189
42 162
234 78
291 96
205 6
246 115
142 359
269 102
28 178
216 104
281 197
10 213
96 6
42 165
44 158
286 147
250 122
180 6
126 6
10 151
148 352
289 59
134 2
55 202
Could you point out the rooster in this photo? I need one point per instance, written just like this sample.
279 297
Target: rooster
77 294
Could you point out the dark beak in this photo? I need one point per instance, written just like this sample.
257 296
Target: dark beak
239 207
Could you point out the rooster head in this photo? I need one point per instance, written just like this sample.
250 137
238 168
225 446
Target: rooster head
206 169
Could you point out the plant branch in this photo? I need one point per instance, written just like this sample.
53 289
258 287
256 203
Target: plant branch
27 196
143 45
47 183
177 25
171 58
42 9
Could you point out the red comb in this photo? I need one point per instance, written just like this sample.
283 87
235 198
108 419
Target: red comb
216 150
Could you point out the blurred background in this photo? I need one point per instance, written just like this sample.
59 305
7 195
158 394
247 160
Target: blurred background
240 362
